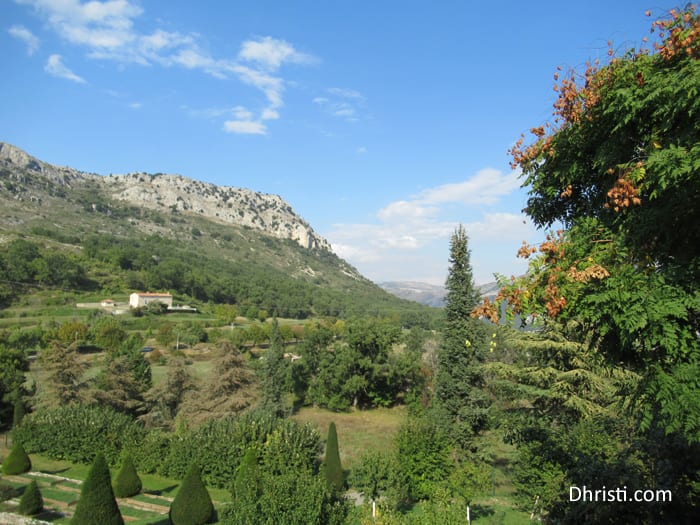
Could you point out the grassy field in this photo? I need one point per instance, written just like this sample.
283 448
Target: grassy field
358 431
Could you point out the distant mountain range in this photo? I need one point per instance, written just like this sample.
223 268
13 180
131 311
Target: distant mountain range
430 294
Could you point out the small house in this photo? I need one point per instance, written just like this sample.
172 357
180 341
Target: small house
143 299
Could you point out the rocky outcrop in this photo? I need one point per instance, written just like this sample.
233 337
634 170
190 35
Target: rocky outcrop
237 206
244 207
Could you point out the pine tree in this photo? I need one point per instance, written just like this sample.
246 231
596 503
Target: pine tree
127 482
31 501
97 505
459 378
192 504
17 461
334 470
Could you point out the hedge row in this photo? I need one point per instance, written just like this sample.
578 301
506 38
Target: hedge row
78 433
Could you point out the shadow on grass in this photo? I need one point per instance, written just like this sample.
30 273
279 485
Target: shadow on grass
55 472
49 515
161 492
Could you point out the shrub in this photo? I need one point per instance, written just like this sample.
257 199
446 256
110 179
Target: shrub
127 483
17 461
97 504
77 432
31 501
192 504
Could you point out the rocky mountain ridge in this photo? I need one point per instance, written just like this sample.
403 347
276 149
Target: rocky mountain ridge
270 214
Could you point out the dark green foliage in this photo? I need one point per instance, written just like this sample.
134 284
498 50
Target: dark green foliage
97 505
362 373
17 461
19 410
13 364
192 504
127 483
333 468
31 501
459 377
274 375
77 432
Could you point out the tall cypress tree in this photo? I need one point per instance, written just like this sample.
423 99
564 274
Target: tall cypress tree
274 375
97 505
334 471
459 398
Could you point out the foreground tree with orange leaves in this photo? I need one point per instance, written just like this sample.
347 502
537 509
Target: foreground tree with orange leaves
619 168
617 287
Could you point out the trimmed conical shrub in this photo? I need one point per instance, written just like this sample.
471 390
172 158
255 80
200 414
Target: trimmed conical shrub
17 461
334 471
127 482
31 501
97 505
192 504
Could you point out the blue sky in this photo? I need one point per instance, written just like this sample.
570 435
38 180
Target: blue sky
385 124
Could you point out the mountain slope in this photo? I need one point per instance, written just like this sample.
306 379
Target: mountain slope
166 232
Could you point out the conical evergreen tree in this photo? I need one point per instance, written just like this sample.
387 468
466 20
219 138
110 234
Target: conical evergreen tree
97 505
192 504
17 461
31 501
459 376
127 482
334 471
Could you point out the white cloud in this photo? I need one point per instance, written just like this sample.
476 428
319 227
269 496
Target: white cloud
25 35
486 187
361 150
245 127
410 238
107 30
94 24
271 86
136 105
270 53
54 66
269 114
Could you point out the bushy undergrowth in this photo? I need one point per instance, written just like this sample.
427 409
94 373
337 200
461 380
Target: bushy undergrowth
77 432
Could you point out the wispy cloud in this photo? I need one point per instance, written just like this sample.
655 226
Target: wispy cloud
407 231
55 66
25 35
270 53
245 127
342 103
107 30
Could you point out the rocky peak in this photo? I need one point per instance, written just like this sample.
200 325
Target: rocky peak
163 192
12 156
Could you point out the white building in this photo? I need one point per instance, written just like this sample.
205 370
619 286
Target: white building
143 299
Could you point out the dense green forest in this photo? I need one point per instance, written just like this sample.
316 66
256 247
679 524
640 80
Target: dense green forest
582 375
